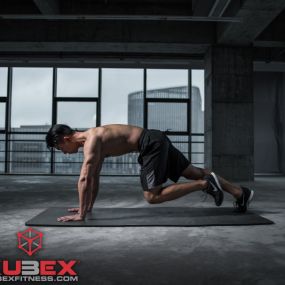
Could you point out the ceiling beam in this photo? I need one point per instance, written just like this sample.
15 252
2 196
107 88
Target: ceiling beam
103 47
120 17
107 31
126 62
269 66
256 16
269 44
47 7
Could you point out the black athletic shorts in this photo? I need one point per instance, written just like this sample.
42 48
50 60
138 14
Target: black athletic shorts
159 159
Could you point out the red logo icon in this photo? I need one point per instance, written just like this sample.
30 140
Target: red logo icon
30 241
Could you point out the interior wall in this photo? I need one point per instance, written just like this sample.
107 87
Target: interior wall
269 125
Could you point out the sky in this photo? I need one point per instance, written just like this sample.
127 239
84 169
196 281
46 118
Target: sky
32 93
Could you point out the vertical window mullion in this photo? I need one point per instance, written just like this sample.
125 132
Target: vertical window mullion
54 115
8 119
145 107
189 117
98 115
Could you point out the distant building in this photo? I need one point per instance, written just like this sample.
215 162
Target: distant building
28 152
172 116
176 118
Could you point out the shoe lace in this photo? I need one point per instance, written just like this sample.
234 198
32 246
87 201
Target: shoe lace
236 204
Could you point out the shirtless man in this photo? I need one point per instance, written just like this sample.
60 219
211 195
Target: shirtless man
158 158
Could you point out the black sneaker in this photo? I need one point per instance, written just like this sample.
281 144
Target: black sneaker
242 203
214 188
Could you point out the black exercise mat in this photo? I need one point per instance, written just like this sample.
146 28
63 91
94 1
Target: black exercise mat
151 216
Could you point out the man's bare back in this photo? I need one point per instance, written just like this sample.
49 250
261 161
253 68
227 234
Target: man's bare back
116 139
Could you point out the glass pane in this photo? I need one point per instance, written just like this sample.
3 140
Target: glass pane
198 150
181 143
68 164
2 115
121 165
167 83
28 153
3 81
167 116
31 96
122 96
77 82
135 109
80 115
122 102
2 153
198 96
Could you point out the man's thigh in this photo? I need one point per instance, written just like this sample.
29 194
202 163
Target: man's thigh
194 173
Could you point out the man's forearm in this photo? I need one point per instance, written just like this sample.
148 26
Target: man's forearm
95 189
84 191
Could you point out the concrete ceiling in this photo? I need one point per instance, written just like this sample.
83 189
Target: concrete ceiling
173 30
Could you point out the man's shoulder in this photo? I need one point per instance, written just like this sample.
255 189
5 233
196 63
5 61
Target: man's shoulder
94 133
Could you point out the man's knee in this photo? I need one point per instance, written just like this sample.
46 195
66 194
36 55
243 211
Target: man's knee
149 197
152 196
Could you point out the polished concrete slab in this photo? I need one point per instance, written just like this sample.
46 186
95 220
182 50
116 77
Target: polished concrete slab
148 255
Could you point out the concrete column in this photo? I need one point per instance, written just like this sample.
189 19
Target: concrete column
229 112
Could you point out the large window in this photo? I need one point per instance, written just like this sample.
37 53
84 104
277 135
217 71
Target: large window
168 105
119 101
31 111
2 115
122 103
31 97
167 83
77 82
170 100
167 116
78 115
76 101
3 81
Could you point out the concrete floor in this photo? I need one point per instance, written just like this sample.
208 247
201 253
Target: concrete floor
148 255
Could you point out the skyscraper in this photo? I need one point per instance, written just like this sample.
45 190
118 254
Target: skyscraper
167 115
173 117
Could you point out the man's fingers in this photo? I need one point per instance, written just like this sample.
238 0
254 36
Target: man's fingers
64 219
69 218
73 209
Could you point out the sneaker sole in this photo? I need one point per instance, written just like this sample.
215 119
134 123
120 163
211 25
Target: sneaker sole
217 180
219 186
248 201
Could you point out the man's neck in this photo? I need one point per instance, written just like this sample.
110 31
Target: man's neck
79 137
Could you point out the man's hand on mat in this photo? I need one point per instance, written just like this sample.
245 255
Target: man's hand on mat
75 217
76 210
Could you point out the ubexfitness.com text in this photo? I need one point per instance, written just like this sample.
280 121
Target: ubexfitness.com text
39 279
